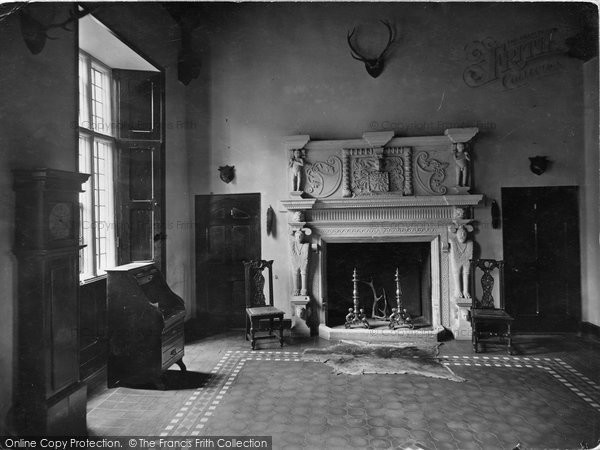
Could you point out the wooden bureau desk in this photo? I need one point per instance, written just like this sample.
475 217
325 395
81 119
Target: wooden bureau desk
145 326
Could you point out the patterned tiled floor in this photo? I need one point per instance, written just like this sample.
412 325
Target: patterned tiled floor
541 401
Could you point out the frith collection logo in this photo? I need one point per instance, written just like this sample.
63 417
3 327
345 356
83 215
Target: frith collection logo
513 62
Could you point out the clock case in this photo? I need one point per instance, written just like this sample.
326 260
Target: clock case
37 193
50 398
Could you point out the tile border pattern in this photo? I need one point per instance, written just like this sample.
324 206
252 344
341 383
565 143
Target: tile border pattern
585 388
196 411
200 406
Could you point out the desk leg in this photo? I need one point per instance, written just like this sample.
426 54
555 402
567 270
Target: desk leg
181 365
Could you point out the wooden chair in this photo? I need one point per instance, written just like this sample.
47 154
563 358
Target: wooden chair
487 319
257 308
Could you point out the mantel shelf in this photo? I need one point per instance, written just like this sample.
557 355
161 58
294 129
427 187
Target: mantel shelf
382 202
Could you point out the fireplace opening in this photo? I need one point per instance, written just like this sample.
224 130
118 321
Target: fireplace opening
376 265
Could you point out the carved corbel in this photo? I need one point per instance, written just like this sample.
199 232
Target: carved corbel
377 139
461 135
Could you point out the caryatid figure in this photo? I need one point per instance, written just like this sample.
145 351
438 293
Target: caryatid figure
296 165
299 257
462 162
461 252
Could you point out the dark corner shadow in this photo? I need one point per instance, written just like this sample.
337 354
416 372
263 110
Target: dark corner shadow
539 344
176 380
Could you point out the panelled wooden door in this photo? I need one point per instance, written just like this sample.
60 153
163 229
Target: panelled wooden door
541 250
227 233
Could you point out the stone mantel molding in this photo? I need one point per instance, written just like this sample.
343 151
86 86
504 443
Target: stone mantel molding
382 202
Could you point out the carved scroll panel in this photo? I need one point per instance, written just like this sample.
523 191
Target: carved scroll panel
323 178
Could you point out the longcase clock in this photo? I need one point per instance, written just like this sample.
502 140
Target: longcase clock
51 400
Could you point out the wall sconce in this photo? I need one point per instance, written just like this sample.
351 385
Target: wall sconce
495 212
227 173
538 164
270 221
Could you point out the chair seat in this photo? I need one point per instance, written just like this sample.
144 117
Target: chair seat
491 314
264 311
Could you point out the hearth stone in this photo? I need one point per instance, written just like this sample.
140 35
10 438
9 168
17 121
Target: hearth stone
382 334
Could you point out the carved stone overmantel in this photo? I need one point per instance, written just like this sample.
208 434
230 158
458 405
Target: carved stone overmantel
382 188
381 164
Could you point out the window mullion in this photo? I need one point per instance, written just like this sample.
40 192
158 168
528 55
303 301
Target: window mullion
88 67
92 165
93 206
88 87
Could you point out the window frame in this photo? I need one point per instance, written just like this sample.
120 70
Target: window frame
89 256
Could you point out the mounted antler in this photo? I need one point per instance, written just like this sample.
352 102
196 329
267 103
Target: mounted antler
377 311
35 33
374 66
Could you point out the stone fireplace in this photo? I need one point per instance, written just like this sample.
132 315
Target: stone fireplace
380 203
376 264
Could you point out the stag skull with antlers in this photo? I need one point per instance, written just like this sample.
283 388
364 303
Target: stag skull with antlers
374 66
35 32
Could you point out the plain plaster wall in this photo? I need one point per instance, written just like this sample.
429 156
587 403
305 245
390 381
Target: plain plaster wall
37 111
590 275
272 70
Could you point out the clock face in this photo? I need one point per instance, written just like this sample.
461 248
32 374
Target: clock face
60 221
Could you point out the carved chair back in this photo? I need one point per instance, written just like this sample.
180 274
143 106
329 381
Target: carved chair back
487 283
255 282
